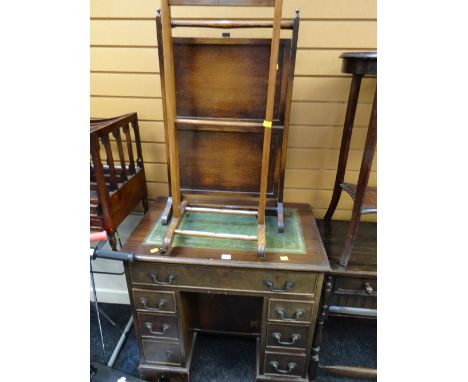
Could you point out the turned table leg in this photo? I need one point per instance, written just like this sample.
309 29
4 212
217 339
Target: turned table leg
322 316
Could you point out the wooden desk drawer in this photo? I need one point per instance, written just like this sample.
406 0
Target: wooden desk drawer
354 292
224 278
161 352
284 364
290 311
154 301
287 336
158 325
356 286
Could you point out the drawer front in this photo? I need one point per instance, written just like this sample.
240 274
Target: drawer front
284 364
290 311
161 352
358 286
287 336
224 278
154 301
158 325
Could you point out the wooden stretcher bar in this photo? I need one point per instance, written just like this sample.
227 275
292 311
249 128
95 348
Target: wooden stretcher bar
229 24
222 211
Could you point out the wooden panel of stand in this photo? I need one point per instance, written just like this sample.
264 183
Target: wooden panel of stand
220 110
228 297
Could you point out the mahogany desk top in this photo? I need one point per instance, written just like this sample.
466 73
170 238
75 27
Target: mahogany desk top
315 258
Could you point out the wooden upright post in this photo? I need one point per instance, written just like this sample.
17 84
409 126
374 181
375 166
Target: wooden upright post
170 100
268 124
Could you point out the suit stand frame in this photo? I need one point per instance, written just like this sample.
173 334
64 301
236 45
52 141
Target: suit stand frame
218 113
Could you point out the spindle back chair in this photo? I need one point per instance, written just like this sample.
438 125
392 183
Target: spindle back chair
226 105
116 186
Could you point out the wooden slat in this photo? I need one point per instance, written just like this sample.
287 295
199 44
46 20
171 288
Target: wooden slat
110 161
313 34
131 157
123 169
327 9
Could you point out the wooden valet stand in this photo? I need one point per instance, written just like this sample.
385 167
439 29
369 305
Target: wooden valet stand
226 121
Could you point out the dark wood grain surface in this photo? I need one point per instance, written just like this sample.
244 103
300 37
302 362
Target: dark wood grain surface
364 258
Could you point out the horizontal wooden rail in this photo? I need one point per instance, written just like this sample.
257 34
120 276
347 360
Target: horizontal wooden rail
215 122
226 211
229 24
215 235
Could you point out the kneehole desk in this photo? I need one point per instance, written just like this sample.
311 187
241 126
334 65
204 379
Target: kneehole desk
189 290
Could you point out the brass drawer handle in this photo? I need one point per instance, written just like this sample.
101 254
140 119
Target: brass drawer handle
294 337
164 328
154 277
368 288
282 314
161 304
287 285
275 366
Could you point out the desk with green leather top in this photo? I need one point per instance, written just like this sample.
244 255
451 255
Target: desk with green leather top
220 286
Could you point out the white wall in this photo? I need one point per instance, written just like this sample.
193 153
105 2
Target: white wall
111 288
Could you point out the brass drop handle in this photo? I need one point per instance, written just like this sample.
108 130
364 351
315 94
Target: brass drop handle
160 305
282 314
287 285
275 366
369 288
164 328
294 337
154 277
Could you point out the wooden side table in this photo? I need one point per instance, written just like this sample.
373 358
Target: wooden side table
359 64
350 289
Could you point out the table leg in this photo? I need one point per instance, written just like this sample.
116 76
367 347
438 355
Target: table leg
322 316
364 172
345 142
